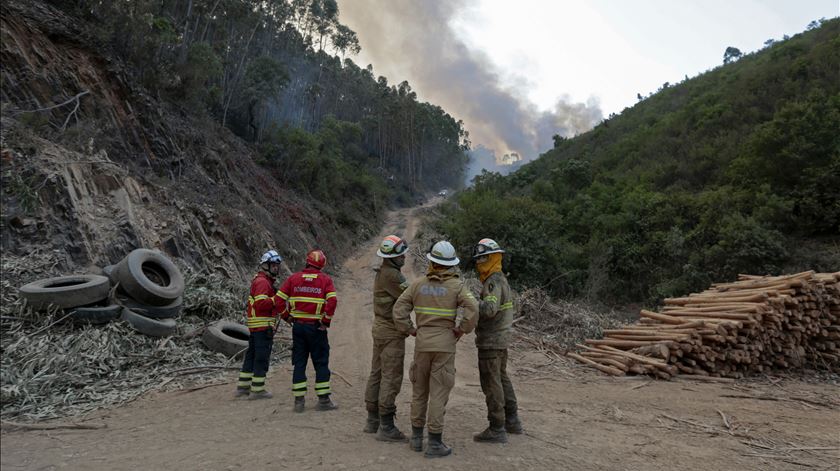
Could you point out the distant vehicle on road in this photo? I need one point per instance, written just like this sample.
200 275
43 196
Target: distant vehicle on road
442 193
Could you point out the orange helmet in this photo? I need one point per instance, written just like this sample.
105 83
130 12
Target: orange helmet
316 258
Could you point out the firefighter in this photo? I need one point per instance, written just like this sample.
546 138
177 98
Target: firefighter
435 299
386 369
261 318
307 300
492 337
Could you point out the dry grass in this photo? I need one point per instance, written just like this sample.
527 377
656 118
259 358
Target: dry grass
560 322
67 370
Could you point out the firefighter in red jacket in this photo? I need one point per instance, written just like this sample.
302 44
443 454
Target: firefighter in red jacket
307 299
261 319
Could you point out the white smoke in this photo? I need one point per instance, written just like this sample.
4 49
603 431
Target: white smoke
413 40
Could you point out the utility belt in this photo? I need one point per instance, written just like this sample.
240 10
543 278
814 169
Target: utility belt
305 321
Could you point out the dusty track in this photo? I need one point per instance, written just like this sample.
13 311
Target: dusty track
574 418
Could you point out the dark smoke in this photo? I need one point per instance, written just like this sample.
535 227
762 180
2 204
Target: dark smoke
412 39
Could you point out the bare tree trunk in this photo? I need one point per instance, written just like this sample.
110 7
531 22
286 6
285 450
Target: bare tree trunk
238 72
185 44
209 19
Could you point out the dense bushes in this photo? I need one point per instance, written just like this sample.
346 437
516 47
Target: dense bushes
735 171
330 167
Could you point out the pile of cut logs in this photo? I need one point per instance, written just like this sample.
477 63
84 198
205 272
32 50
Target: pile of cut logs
731 330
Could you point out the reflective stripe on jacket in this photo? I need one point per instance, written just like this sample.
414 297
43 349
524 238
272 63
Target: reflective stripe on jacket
308 296
435 300
495 313
261 313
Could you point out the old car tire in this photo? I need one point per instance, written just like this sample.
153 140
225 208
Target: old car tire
150 277
226 337
169 311
95 314
110 272
148 326
65 291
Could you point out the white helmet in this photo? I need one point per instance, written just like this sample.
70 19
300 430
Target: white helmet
443 253
392 247
485 247
271 257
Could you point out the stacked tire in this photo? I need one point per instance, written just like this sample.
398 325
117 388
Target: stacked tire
153 288
149 295
83 297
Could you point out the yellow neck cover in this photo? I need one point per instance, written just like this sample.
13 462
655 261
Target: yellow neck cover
492 265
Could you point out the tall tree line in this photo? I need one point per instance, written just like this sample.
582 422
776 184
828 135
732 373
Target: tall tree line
259 65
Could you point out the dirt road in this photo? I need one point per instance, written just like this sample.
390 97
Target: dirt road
575 418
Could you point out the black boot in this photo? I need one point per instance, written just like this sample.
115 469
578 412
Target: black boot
513 424
495 433
300 404
388 432
416 442
372 424
325 403
436 448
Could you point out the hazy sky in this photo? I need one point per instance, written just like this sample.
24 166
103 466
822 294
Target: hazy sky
613 49
519 71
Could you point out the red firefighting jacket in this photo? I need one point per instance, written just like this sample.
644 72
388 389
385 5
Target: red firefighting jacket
308 296
262 304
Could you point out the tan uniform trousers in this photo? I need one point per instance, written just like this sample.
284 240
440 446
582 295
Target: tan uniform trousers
386 375
496 386
432 375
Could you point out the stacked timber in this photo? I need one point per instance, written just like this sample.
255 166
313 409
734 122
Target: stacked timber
753 325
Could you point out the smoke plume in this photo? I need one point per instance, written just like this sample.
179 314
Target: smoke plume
412 40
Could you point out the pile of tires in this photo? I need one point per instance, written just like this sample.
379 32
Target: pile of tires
148 295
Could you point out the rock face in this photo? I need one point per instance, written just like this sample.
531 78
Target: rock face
115 168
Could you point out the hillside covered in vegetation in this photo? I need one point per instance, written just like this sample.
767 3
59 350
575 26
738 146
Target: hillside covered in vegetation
279 75
734 171
209 129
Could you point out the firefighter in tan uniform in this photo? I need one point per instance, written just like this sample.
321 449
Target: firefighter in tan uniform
492 337
386 368
435 299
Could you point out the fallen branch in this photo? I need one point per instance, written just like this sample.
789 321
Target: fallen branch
204 386
20 426
54 323
341 377
725 422
641 385
529 434
81 94
204 367
604 368
72 113
709 379
689 422
771 398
